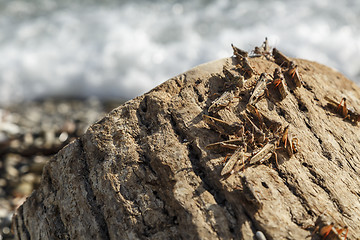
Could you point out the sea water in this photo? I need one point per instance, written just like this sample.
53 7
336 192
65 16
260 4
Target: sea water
121 49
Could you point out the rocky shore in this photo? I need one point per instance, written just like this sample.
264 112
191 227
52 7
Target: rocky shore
30 134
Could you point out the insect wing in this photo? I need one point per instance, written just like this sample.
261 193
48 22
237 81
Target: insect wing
232 161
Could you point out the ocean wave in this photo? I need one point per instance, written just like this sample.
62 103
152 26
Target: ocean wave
120 50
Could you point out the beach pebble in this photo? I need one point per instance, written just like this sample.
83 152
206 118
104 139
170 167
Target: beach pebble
260 236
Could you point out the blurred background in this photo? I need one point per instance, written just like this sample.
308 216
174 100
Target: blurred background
65 63
120 49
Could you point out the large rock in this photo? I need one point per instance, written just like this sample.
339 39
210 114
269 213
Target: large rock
143 171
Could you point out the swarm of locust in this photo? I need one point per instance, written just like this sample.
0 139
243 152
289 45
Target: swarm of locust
255 139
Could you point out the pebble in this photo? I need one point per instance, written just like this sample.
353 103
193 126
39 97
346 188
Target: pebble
63 136
260 236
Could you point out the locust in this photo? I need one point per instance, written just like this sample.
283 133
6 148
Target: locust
239 154
246 67
222 102
264 154
288 143
336 107
255 112
227 145
293 73
280 58
278 84
264 50
233 80
259 135
259 90
223 127
327 230
265 46
278 74
229 165
238 52
342 110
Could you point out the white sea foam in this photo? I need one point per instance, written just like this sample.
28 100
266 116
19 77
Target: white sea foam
112 50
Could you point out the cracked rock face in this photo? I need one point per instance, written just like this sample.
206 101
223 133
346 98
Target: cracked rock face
143 171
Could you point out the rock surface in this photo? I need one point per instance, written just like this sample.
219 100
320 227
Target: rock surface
143 171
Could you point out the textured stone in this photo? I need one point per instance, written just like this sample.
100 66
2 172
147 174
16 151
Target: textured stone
142 172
